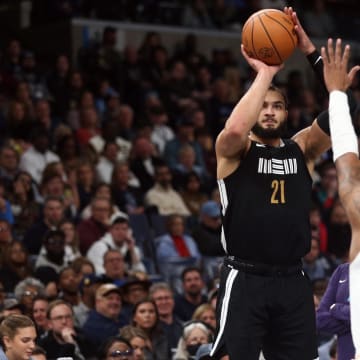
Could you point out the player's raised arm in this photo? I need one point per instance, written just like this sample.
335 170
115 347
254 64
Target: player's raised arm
233 139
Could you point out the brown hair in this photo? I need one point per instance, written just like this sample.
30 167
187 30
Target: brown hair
10 325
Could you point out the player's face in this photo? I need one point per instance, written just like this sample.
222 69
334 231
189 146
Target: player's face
272 119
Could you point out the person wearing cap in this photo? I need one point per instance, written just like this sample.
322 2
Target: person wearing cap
119 238
133 290
87 288
207 235
106 319
12 306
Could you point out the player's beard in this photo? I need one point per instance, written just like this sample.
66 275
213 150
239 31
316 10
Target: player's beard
270 133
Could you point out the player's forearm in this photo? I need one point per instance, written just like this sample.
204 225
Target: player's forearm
246 112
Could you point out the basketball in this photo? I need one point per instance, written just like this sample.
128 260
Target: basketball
269 35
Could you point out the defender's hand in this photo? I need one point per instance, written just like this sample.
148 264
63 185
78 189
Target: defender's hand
336 63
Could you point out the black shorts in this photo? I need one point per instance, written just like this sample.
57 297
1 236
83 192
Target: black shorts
273 313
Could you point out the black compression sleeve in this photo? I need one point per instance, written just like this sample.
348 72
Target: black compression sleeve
316 63
323 121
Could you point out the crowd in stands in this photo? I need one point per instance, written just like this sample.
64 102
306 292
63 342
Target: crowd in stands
110 216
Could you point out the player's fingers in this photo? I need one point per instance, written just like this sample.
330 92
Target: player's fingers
346 55
338 51
353 72
324 56
330 50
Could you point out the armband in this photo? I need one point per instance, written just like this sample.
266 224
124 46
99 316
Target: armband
343 137
323 122
316 63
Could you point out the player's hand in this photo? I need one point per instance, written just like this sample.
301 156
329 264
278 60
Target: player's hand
305 45
336 63
257 65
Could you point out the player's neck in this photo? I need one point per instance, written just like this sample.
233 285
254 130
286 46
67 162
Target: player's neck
276 142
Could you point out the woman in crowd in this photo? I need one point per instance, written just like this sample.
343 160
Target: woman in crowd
17 334
206 314
146 317
39 309
139 341
195 333
116 347
16 265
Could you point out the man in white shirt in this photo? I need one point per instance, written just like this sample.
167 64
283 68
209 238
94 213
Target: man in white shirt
34 159
118 237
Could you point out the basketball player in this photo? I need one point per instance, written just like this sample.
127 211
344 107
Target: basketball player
346 157
265 301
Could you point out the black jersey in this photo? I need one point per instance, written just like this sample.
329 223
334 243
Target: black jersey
266 203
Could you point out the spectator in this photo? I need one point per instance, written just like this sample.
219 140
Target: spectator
68 286
5 205
16 266
25 292
162 195
194 335
38 353
133 290
5 239
192 293
101 190
207 235
193 194
34 159
185 135
23 204
106 315
86 181
114 266
53 253
139 341
9 164
114 347
92 229
107 161
175 250
71 238
63 339
163 297
143 162
125 190
87 287
316 264
145 317
13 330
161 133
39 311
118 237
53 213
206 314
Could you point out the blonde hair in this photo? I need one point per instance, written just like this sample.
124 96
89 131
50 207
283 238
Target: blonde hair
10 325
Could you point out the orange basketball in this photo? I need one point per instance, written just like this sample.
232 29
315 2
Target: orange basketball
269 35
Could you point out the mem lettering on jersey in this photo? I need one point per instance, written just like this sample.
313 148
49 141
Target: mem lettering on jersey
277 166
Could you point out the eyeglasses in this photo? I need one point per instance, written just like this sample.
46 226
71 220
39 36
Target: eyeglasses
30 293
62 317
118 353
